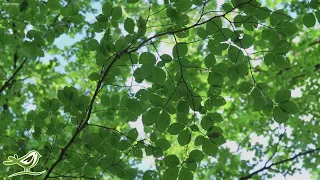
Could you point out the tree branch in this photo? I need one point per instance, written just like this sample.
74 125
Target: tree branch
316 68
275 150
7 83
313 43
279 162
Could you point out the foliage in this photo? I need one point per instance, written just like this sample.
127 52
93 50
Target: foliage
231 73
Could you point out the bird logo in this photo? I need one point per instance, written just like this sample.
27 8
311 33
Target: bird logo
27 162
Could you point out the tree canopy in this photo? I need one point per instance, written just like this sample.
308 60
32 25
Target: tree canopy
190 85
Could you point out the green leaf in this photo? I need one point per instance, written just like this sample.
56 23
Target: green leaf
171 173
280 61
318 15
124 145
107 9
216 117
287 28
129 25
250 23
309 20
220 140
93 44
77 19
163 122
218 101
214 25
158 75
238 20
198 140
54 5
245 87
105 100
283 47
196 155
175 128
156 100
202 33
215 47
256 93
314 4
214 132
268 109
233 73
114 101
133 134
132 1
258 104
289 107
50 104
102 18
137 152
223 35
2 31
93 162
185 174
214 91
150 175
148 151
184 137
207 123
268 59
153 137
183 107
183 6
172 14
132 104
210 60
235 54
166 58
282 95
94 76
209 147
221 68
151 116
147 58
171 161
180 49
66 12
279 116
262 13
24 5
247 41
227 7
215 79
194 128
277 17
116 13
191 164
163 143
120 44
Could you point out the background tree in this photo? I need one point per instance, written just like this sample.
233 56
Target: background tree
195 76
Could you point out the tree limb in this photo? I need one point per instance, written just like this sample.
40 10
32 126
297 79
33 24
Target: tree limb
7 83
313 43
279 162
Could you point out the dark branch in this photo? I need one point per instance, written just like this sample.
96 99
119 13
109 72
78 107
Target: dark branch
7 83
314 43
279 162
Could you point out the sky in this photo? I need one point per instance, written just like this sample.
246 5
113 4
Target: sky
148 162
